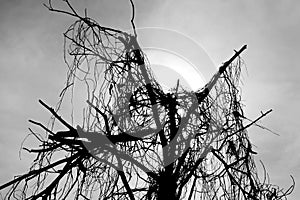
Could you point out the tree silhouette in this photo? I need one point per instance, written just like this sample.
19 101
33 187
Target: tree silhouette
137 141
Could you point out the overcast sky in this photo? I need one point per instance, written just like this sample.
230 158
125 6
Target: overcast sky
32 67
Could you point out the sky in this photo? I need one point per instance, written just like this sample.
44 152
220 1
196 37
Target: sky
32 66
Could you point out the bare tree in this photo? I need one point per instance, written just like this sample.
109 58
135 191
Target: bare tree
137 141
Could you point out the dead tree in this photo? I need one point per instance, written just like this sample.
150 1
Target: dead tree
137 141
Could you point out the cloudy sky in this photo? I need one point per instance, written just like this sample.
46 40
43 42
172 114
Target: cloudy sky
32 67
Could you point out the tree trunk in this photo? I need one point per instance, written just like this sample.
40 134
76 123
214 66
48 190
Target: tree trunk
167 185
